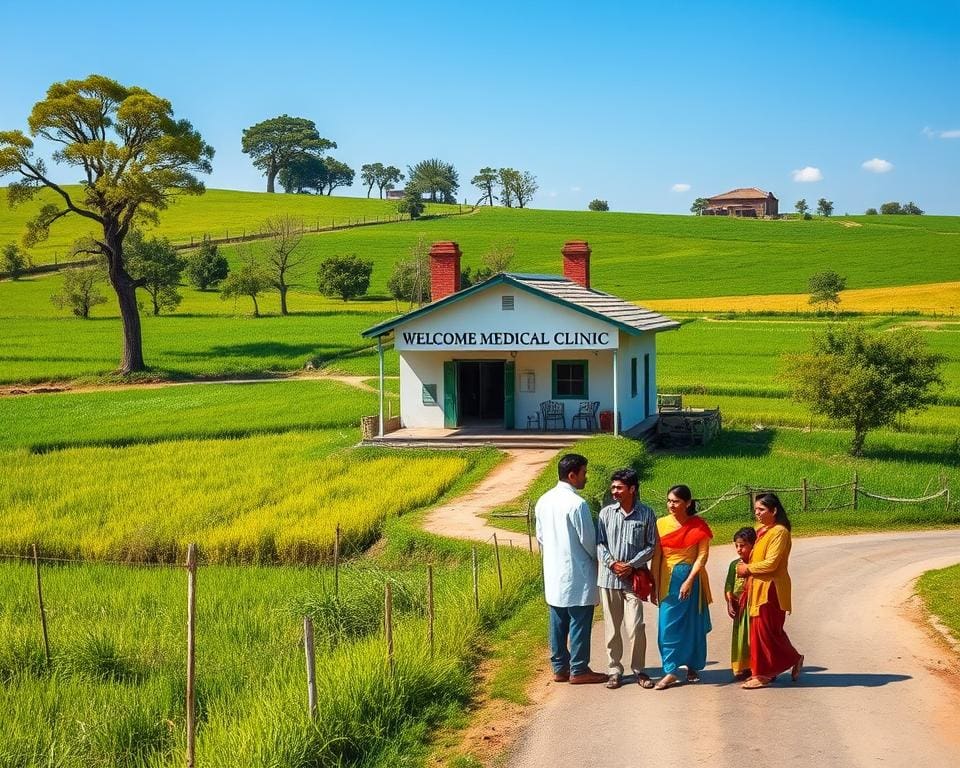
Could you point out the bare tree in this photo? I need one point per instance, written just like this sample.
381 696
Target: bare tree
282 259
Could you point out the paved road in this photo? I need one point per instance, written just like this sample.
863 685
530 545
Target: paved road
878 689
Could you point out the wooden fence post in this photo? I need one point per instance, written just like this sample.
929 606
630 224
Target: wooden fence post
43 611
336 563
308 650
430 613
388 623
856 487
496 553
476 580
804 502
191 652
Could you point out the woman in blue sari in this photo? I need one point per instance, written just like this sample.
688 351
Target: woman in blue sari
682 588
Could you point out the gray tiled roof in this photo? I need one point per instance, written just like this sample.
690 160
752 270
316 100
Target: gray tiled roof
597 302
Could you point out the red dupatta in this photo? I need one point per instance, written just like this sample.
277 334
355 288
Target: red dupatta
689 534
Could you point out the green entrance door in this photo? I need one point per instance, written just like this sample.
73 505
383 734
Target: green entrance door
449 394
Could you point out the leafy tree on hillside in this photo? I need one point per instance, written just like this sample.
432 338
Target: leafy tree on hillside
412 202
437 178
336 174
282 261
79 291
133 157
890 209
699 206
870 212
825 288
516 187
824 207
251 279
388 177
14 260
496 260
864 380
345 276
410 279
802 207
157 268
303 172
369 173
207 266
598 205
485 181
911 209
273 144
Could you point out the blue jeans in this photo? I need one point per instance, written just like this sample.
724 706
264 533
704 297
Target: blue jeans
574 623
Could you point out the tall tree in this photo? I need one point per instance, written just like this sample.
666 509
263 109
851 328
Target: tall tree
134 158
699 206
824 207
388 177
336 174
802 207
276 142
305 171
157 267
437 178
525 188
485 181
369 173
507 178
283 261
864 380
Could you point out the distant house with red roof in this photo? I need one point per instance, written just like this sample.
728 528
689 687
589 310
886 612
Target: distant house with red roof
747 201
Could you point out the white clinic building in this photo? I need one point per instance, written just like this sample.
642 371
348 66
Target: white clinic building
523 351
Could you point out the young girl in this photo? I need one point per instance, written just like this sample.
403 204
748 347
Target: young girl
743 541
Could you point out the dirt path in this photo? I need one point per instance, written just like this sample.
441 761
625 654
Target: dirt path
41 389
880 688
461 518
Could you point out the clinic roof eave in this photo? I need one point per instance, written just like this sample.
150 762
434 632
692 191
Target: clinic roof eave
519 281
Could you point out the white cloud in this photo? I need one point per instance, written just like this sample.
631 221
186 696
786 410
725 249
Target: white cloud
932 134
680 187
877 166
574 189
807 174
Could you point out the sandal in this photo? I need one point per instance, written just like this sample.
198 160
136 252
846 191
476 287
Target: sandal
644 680
613 682
667 681
756 682
795 672
693 676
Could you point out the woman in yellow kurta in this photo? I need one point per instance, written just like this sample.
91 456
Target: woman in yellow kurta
771 651
682 588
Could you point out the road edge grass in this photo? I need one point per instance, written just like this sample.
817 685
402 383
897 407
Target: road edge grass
940 592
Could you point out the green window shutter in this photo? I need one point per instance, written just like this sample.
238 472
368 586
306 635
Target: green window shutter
509 384
449 394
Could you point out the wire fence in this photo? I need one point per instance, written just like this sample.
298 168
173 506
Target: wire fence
421 602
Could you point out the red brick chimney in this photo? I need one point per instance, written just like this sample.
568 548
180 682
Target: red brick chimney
444 269
576 262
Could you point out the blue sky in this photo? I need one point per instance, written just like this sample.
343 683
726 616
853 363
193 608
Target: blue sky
620 101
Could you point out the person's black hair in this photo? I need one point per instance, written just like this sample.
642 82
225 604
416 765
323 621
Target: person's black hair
772 501
571 462
749 535
628 477
684 492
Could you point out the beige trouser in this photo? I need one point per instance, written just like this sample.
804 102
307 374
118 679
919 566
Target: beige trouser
623 624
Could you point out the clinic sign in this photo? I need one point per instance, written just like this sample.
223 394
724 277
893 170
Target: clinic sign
513 340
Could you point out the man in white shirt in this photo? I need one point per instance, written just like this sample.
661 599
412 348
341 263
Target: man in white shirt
568 545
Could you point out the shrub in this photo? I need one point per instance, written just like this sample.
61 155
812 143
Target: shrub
345 276
14 260
207 266
79 292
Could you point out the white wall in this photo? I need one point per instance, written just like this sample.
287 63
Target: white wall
631 408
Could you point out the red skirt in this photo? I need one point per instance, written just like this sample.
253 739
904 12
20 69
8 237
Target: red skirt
771 651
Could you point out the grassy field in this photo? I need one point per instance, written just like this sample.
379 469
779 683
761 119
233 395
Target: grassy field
217 213
114 693
940 591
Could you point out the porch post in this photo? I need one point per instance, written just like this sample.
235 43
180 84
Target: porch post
616 398
380 357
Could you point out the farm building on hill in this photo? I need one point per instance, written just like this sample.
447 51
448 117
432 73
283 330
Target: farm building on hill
524 351
749 202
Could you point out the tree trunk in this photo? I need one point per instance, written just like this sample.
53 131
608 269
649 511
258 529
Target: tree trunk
283 299
271 178
131 360
859 436
156 304
256 308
